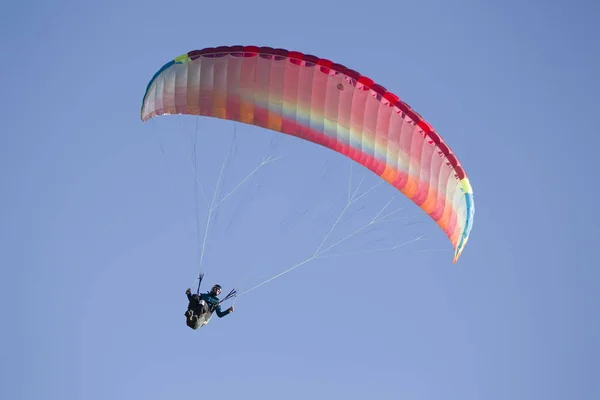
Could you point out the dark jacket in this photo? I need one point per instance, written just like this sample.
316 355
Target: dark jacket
213 301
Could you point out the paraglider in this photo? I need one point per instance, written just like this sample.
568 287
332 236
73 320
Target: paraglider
201 306
325 103
328 104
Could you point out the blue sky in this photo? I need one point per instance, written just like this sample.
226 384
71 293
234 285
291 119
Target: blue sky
98 231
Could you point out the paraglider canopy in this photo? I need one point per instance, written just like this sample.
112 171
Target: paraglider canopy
328 104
